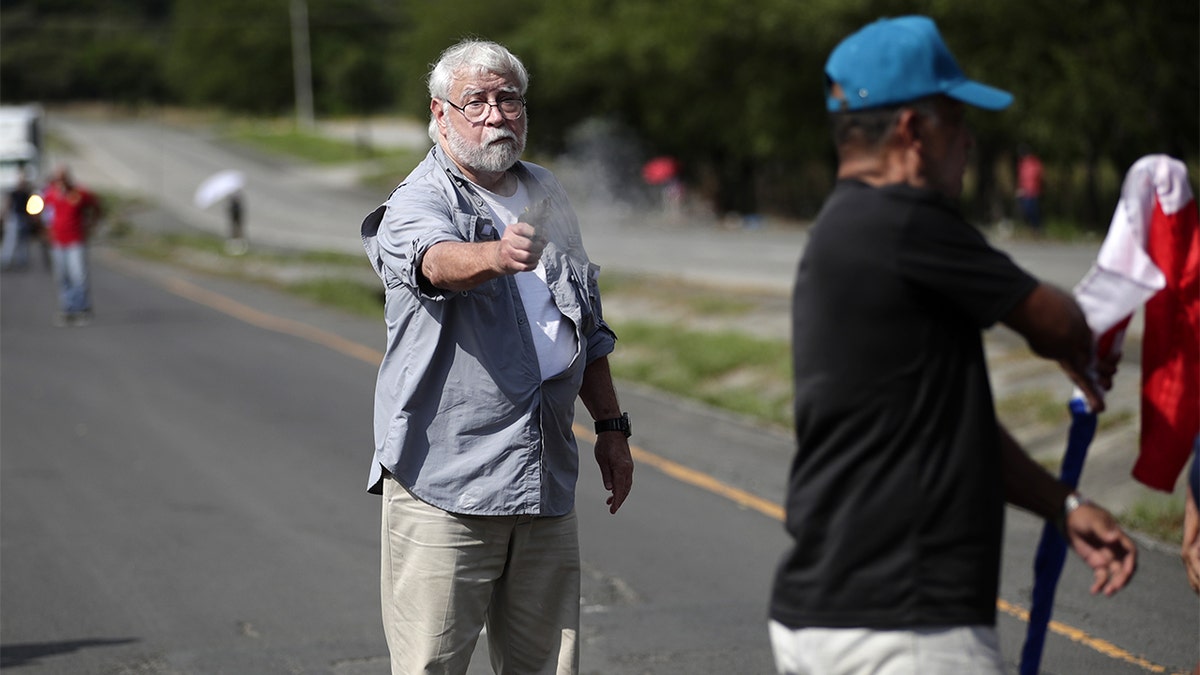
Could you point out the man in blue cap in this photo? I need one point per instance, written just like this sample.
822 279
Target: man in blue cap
896 494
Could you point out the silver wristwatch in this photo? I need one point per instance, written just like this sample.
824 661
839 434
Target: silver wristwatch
1073 501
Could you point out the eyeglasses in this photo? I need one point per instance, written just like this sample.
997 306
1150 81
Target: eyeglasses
478 111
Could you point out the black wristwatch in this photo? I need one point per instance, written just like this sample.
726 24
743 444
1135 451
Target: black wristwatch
620 424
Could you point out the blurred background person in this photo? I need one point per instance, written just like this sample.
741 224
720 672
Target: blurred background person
237 244
19 226
1029 188
1190 549
896 495
71 214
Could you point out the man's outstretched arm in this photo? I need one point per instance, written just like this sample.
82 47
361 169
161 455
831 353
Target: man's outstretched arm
1054 326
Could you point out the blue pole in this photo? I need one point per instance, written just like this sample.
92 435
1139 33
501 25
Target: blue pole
1052 549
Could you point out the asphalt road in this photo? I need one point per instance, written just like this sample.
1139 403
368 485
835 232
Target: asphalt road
182 492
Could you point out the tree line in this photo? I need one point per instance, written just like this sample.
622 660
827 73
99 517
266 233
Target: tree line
731 88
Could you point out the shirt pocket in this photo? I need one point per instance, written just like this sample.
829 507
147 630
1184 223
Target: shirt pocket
474 227
478 229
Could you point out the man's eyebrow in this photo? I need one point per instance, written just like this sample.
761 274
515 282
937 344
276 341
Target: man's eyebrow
507 89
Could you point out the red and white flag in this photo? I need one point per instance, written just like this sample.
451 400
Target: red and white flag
1151 256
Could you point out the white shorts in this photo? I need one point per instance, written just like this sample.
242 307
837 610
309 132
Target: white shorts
953 650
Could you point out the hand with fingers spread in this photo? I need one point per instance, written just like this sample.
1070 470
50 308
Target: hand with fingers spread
1099 540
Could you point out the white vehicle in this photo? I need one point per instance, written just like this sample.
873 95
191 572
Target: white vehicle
20 144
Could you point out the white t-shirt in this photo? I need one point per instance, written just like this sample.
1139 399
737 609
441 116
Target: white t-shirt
553 334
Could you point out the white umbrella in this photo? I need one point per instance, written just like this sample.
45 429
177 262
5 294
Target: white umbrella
219 186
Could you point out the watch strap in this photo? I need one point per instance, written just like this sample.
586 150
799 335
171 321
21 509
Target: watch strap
620 424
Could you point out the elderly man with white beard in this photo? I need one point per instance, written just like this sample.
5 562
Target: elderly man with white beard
494 327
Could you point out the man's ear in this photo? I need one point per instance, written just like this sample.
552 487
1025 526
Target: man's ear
906 142
439 112
908 126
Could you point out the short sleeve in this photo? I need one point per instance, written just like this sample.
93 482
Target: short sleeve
402 231
949 258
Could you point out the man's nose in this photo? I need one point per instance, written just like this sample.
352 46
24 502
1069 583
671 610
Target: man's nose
494 117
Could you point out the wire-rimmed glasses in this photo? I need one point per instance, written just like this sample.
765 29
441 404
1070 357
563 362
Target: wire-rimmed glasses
478 111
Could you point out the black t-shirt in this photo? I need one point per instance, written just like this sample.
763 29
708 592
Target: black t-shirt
895 499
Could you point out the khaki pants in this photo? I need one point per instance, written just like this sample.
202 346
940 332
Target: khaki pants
444 576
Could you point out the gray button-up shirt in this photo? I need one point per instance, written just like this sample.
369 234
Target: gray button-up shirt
463 418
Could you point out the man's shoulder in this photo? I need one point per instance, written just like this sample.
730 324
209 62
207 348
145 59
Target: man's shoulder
536 169
539 172
427 177
894 215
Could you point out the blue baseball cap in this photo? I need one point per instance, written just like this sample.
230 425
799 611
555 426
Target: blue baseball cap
894 61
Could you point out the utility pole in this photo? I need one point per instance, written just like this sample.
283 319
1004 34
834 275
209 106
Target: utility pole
302 65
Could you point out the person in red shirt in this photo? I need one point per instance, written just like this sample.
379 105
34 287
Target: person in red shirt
70 213
1029 188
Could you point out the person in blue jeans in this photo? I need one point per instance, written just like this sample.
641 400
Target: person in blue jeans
71 214
18 226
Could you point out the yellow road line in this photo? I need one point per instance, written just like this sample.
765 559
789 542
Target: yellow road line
1074 634
675 470
271 322
692 477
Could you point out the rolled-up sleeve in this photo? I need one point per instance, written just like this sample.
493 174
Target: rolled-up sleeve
408 230
602 340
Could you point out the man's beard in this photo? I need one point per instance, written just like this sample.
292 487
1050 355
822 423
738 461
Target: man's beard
492 155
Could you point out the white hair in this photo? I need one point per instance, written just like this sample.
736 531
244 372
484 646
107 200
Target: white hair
471 57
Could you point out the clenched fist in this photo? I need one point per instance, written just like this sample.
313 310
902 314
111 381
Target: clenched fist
520 248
